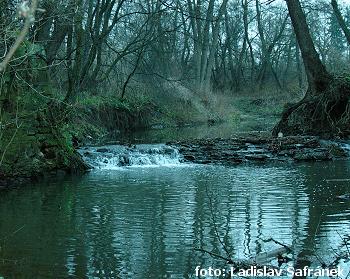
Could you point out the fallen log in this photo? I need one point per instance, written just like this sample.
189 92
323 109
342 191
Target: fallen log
265 257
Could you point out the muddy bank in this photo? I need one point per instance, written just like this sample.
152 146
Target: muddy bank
260 150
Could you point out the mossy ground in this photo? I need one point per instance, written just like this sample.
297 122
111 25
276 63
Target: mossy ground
35 147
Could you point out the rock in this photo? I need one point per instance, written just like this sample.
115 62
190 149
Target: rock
189 158
124 160
102 150
286 153
168 150
239 150
256 157
49 153
319 154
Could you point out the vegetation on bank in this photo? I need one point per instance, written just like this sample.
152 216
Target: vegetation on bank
76 72
45 134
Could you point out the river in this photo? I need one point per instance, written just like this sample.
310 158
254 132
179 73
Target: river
145 220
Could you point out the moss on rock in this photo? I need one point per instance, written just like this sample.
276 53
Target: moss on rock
35 148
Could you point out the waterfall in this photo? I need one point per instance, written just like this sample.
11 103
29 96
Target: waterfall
117 156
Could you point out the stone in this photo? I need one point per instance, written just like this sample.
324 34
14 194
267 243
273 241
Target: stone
254 150
102 150
189 158
256 157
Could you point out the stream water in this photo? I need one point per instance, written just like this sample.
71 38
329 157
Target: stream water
141 213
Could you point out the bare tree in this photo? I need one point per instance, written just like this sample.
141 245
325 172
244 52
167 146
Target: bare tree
318 77
325 108
341 20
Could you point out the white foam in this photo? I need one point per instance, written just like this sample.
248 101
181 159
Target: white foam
118 156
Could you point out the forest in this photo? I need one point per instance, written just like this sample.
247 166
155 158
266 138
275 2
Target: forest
144 64
177 61
241 106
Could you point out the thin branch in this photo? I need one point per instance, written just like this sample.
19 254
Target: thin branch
29 19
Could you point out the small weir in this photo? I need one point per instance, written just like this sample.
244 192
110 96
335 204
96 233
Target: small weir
116 156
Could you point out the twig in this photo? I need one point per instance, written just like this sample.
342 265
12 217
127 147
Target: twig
29 19
277 242
13 233
8 145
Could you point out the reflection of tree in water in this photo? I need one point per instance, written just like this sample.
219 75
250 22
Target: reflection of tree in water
95 253
308 201
245 211
151 229
157 246
323 203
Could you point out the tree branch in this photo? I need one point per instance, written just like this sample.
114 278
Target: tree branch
29 16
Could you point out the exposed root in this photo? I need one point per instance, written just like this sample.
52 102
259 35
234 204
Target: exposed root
325 114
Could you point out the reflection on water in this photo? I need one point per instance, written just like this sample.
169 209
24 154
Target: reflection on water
146 222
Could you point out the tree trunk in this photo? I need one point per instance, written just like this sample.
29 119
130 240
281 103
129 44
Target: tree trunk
214 45
246 35
298 64
317 75
325 109
341 20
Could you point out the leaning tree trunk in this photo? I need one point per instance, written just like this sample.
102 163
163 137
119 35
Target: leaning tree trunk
341 20
317 75
325 108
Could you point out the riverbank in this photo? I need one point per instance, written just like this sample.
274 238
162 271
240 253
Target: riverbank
37 145
37 142
42 141
42 158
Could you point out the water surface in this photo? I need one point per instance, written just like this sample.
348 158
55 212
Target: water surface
145 222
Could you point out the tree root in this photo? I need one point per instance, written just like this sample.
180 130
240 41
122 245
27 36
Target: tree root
325 114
